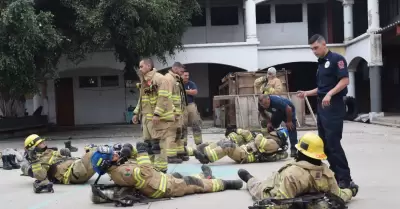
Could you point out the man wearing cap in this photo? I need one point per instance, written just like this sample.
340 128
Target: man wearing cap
269 84
308 174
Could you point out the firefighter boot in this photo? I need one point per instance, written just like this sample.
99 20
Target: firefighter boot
14 164
70 147
6 162
207 172
38 187
184 156
244 175
201 157
293 152
174 160
232 184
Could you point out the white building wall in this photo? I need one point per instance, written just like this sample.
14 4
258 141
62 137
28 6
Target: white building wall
272 34
94 105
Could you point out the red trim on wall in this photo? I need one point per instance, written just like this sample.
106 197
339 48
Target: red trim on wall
329 20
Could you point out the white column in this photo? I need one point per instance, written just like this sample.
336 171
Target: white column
251 24
352 84
373 15
348 19
37 101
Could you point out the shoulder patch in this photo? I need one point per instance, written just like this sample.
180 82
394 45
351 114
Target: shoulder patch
341 64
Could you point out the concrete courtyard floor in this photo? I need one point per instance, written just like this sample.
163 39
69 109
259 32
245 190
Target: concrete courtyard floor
371 151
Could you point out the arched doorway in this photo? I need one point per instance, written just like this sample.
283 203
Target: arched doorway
362 84
301 76
208 78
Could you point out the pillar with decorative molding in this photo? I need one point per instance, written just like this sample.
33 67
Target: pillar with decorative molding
376 62
351 88
373 15
251 23
348 19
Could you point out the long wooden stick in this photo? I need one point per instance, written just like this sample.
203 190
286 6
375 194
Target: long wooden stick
288 93
309 108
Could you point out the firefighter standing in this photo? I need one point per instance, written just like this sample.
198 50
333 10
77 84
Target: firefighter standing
308 174
179 100
157 111
152 183
332 81
49 166
191 115
269 84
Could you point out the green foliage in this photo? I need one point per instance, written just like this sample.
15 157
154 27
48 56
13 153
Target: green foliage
135 28
33 36
29 44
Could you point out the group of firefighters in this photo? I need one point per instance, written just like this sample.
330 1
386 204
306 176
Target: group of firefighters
165 113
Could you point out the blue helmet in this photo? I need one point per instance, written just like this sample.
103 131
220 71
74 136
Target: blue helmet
101 159
283 131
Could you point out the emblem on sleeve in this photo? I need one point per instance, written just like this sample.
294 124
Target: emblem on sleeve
341 64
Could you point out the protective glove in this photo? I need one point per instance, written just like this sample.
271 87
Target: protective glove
128 145
141 147
65 152
32 155
125 152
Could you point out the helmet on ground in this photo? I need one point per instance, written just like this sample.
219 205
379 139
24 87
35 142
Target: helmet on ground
282 133
117 146
32 141
102 158
311 145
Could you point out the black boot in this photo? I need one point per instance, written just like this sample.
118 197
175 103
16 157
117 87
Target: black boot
38 188
293 152
244 175
207 171
201 157
6 162
343 184
201 147
13 163
174 160
232 184
70 147
177 175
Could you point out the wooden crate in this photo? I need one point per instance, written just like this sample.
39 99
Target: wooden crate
246 111
240 83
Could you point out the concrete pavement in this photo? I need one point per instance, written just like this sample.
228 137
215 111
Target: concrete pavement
371 150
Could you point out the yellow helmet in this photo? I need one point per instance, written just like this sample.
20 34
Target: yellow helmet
311 145
32 141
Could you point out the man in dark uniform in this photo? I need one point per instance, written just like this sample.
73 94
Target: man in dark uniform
332 81
281 109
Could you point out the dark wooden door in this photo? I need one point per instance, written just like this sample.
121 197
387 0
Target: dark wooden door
65 102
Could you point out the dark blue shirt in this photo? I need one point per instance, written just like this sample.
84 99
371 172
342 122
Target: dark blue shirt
331 69
278 105
190 85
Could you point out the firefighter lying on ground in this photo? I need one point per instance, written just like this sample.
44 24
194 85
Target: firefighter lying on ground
307 174
15 159
143 177
244 146
49 166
